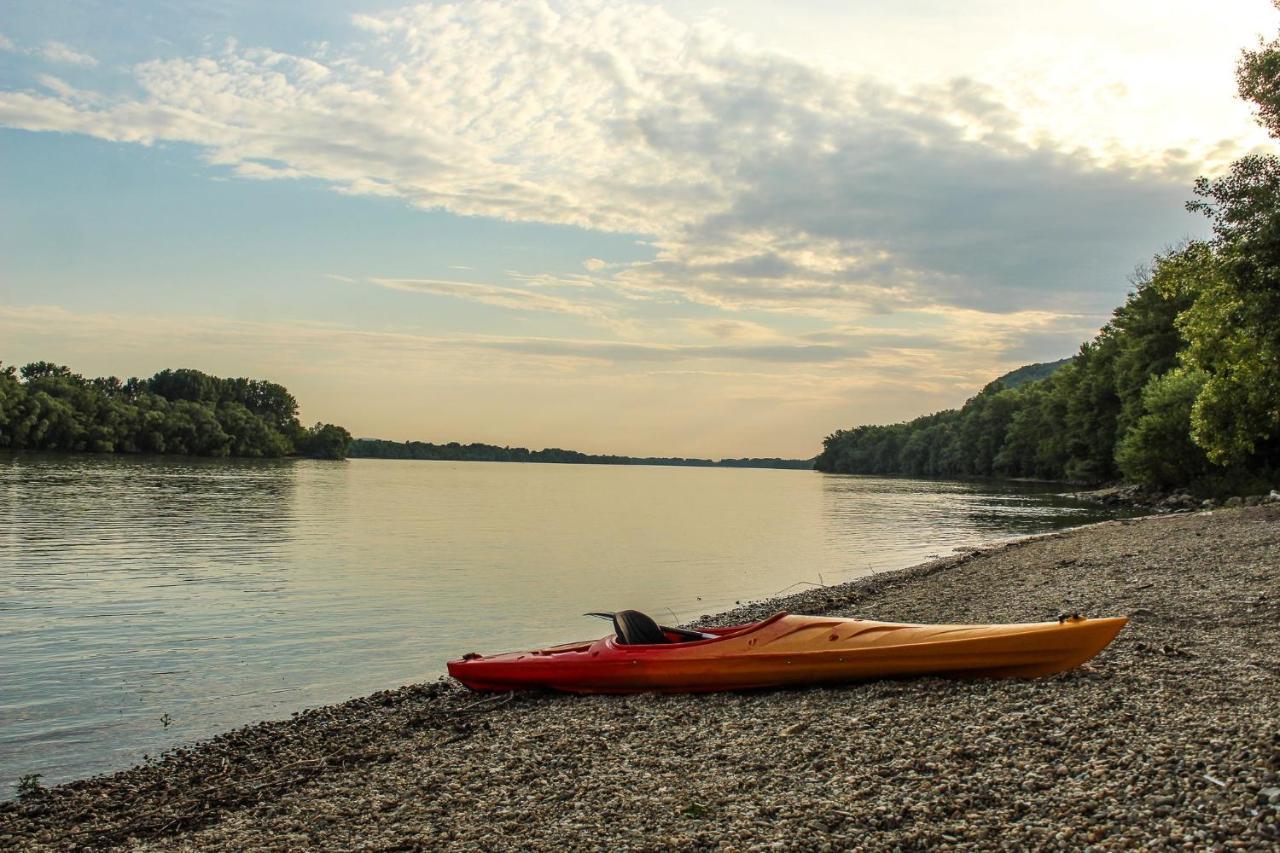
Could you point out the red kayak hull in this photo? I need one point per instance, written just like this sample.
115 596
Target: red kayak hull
786 650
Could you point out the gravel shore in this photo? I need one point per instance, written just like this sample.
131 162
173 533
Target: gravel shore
1169 739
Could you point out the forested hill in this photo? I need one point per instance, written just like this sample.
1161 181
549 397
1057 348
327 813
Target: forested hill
453 451
1137 403
47 407
1032 372
1180 390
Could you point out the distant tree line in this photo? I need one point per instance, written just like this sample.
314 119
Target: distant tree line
1181 389
45 406
453 451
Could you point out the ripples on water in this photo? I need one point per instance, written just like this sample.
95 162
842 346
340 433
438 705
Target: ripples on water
215 593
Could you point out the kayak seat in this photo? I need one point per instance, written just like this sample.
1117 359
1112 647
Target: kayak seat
636 629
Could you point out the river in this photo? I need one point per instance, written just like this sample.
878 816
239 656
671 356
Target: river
150 602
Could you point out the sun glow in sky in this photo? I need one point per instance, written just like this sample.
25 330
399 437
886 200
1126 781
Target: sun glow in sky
703 229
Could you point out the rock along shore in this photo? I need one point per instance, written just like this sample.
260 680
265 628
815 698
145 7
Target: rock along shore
1169 739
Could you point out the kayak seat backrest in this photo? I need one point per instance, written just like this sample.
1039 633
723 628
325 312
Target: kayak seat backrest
636 629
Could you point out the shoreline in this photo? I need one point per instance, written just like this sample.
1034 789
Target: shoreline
1176 722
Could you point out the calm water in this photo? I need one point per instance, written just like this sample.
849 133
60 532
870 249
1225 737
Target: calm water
215 593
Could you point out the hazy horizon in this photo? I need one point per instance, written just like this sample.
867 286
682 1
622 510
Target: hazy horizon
649 229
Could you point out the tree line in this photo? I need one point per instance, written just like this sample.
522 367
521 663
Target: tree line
453 451
1181 389
44 406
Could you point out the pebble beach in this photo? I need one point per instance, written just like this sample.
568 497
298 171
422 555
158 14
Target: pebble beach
1169 739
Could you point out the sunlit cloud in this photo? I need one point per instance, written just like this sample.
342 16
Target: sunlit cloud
761 182
952 353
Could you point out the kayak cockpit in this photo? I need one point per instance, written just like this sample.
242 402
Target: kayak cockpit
633 628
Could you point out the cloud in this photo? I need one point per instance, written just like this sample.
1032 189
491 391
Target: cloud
6 44
338 342
727 329
488 294
624 352
56 51
760 182
948 348
548 280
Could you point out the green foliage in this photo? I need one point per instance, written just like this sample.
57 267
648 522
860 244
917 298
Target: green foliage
1032 373
28 786
1233 323
1072 424
325 441
1158 450
1258 79
47 407
379 449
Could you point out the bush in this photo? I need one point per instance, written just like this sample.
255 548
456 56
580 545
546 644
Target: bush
1158 450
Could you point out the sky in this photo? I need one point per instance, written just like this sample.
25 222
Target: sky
687 229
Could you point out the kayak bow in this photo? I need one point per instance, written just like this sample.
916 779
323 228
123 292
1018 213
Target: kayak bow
786 650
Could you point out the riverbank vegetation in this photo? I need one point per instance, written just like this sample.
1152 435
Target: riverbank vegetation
453 451
1181 389
45 406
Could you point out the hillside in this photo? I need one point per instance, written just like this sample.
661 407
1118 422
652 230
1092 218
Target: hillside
1033 372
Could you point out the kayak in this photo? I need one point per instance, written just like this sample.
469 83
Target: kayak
788 650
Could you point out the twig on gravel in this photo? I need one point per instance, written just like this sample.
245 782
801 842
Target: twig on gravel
796 584
493 701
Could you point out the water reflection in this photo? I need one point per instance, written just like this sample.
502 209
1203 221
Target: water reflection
117 577
214 593
891 522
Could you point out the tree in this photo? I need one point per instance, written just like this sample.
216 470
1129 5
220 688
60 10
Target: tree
1158 451
1258 81
47 407
1233 322
325 441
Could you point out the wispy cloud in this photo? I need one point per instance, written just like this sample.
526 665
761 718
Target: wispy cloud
50 51
56 51
945 350
623 352
489 294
